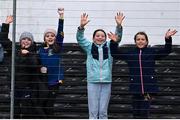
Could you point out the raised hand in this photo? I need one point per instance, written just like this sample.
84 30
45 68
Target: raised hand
113 36
170 33
9 19
61 12
119 18
84 20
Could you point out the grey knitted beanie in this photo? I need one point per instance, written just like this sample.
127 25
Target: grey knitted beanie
26 35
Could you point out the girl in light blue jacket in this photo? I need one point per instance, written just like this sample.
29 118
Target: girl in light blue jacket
99 65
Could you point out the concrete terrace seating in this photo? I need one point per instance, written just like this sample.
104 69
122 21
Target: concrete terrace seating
71 102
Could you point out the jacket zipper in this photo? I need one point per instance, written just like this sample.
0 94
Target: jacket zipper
141 75
101 63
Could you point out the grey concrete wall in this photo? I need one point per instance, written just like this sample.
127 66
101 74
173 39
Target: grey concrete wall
151 16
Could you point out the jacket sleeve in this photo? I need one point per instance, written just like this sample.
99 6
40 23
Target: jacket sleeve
60 33
114 45
83 42
6 43
163 52
119 32
5 28
61 74
116 52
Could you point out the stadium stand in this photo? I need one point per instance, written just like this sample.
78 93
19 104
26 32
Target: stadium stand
71 102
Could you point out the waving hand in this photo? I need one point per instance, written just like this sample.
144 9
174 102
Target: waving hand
170 33
119 18
84 20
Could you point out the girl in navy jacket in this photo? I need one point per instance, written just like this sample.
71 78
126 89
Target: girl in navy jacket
141 63
50 60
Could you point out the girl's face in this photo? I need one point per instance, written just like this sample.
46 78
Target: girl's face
99 37
25 43
141 41
49 38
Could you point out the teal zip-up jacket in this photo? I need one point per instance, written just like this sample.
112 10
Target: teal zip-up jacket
99 60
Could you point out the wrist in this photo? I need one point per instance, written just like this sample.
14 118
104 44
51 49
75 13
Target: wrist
119 25
7 22
167 37
80 28
61 17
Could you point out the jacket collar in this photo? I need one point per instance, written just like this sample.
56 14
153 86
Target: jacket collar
138 49
95 52
101 44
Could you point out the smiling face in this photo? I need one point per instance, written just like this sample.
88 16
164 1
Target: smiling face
141 40
49 38
99 37
25 43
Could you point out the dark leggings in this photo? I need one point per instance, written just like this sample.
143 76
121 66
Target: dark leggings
141 106
25 104
49 101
